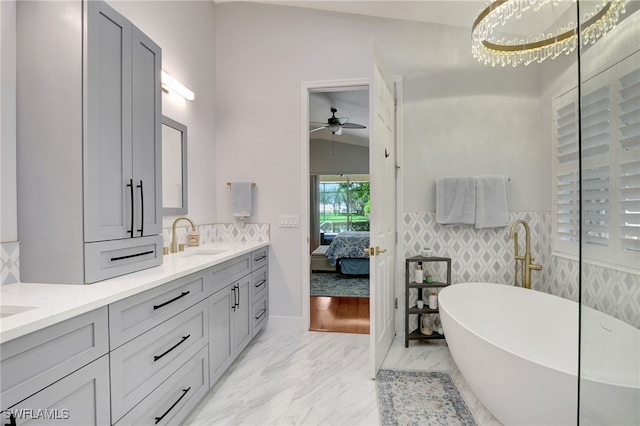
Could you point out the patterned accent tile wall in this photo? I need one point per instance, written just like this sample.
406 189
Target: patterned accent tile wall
477 255
9 263
486 255
221 232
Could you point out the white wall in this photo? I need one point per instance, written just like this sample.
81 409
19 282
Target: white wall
185 31
460 117
8 212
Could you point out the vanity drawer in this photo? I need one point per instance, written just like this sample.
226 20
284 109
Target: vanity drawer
139 366
260 311
176 397
259 258
229 271
130 317
259 282
34 361
108 259
81 398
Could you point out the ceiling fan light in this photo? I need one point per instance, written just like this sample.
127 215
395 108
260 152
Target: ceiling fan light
333 128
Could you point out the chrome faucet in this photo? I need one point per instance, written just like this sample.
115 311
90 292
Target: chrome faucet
527 259
194 237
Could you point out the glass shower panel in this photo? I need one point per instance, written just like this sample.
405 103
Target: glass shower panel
609 92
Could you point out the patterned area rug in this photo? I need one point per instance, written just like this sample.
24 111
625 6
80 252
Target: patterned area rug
420 398
334 284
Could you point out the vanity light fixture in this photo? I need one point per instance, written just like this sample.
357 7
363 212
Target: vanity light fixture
170 84
487 48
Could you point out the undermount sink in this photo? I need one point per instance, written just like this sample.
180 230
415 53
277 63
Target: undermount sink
9 310
197 252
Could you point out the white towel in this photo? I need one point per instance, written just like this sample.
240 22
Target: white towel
492 210
456 200
241 199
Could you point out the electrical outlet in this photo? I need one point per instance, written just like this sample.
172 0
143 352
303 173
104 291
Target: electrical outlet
289 221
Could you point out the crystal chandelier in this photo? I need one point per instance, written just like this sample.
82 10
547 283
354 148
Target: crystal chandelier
487 48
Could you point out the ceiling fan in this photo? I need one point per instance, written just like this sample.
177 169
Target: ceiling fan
336 124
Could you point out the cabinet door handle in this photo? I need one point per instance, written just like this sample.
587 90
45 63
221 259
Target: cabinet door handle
237 287
260 283
183 294
157 357
235 299
141 230
184 392
258 259
130 185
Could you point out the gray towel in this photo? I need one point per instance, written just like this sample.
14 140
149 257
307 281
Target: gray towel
241 199
456 200
492 210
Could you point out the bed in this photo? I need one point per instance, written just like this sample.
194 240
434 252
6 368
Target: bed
346 253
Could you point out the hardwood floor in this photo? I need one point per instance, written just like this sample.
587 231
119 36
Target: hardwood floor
339 314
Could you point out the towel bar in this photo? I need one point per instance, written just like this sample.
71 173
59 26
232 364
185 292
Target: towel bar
252 184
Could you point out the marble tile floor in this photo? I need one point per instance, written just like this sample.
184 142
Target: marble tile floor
315 378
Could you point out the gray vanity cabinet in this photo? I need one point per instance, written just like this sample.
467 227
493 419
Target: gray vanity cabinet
240 291
230 330
81 399
123 149
60 367
221 348
89 143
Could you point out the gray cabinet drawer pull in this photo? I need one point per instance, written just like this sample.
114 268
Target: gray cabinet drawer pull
257 259
184 293
129 256
184 392
157 357
264 311
260 283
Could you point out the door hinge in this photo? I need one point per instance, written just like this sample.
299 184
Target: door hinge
395 302
395 103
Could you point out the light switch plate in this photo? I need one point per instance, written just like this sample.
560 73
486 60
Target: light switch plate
289 221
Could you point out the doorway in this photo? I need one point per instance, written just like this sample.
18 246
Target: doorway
338 147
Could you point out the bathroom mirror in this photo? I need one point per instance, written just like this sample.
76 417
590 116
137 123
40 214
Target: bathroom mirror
174 167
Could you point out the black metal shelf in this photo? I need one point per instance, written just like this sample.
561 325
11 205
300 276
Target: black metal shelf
417 335
413 310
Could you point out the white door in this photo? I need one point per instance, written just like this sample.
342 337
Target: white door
382 165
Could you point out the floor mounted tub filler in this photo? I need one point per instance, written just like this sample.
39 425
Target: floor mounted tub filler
518 351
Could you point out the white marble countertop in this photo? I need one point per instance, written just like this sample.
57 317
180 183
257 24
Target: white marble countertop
39 305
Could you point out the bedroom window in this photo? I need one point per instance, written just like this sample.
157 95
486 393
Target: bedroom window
343 204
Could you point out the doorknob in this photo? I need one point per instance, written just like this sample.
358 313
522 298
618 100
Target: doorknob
370 251
379 250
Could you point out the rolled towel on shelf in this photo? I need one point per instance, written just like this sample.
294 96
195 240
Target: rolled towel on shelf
241 199
492 207
456 200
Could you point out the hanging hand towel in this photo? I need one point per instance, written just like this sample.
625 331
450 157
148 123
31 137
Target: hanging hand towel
492 210
456 200
241 199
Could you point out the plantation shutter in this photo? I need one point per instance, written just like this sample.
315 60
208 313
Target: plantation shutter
566 204
610 200
595 130
628 174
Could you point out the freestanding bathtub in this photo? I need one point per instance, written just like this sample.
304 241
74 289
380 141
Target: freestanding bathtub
518 351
